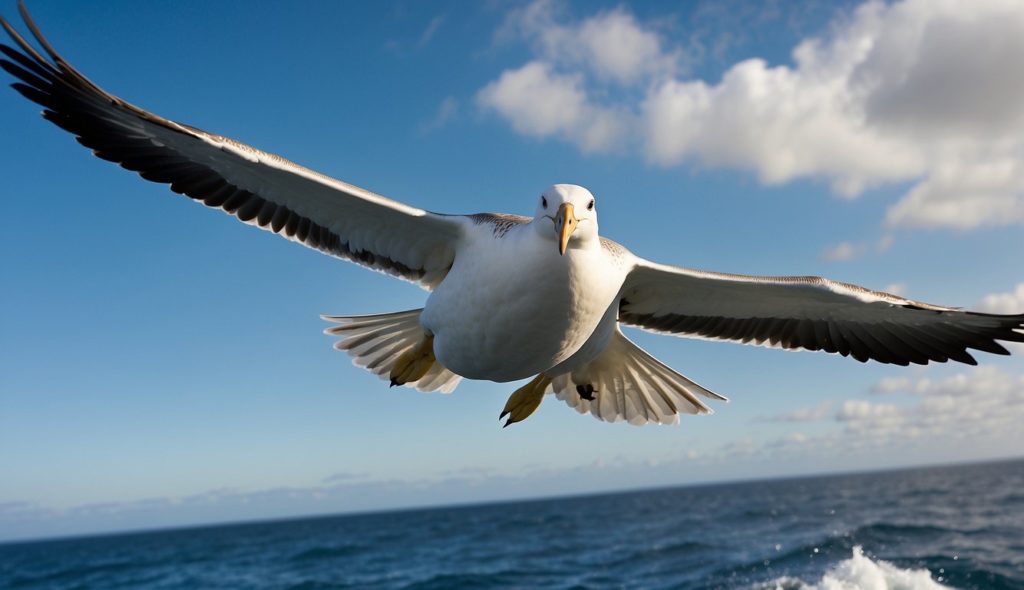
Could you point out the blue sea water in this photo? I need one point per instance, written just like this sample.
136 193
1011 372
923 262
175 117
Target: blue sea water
960 526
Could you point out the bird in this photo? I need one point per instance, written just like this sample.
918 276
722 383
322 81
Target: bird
511 297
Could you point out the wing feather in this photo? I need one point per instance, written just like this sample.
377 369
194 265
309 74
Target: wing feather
257 187
808 313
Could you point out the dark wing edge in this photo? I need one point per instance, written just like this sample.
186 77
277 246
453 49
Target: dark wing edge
809 313
256 187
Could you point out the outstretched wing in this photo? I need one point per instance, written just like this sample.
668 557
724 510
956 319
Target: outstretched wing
810 313
258 188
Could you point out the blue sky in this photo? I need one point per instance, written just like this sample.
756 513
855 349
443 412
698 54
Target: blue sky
164 365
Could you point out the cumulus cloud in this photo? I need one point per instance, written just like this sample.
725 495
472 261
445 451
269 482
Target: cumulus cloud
859 411
540 102
977 187
611 45
918 91
980 403
780 122
1005 303
977 408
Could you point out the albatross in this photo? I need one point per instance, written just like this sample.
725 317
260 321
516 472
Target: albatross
511 297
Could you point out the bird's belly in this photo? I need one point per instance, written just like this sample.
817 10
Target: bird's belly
504 322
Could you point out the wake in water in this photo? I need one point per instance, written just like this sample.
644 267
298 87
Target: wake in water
861 573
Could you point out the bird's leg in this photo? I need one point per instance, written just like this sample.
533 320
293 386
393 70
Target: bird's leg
414 363
586 391
525 400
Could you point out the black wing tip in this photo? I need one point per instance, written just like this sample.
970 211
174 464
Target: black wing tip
54 70
38 34
967 359
31 93
25 54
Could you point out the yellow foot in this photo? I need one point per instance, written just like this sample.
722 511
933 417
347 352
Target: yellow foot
414 363
525 400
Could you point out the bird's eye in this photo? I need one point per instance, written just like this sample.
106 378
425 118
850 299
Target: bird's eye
544 202
590 206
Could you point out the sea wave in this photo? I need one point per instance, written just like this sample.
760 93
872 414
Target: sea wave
860 572
331 552
961 527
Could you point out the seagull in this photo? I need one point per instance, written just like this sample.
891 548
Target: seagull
511 297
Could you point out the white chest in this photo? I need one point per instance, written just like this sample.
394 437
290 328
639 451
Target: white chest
512 307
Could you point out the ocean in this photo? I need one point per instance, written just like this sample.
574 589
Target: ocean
958 526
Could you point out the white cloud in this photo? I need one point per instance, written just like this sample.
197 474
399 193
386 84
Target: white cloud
920 91
542 103
611 45
875 103
446 112
860 410
814 414
431 30
978 408
1009 304
891 385
843 251
851 250
981 403
979 187
780 122
940 70
1005 303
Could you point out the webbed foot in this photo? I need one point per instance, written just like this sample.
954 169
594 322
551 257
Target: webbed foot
414 363
586 391
525 400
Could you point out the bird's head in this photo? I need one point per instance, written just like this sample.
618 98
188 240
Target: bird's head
567 214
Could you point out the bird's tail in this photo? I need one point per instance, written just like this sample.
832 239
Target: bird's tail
627 383
375 342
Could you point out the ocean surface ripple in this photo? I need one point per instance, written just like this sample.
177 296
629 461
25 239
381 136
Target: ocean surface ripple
959 527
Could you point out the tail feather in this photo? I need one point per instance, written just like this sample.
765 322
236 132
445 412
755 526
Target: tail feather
630 384
376 341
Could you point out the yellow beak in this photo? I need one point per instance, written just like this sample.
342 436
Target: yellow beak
565 224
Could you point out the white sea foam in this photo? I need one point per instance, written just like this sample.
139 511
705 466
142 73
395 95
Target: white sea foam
862 573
